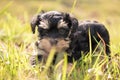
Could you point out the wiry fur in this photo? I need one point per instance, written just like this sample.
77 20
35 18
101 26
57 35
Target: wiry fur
63 31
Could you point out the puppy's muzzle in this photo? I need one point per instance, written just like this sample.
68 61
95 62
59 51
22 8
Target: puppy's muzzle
46 45
53 41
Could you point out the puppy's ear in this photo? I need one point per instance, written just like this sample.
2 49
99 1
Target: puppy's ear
72 21
74 24
67 19
35 21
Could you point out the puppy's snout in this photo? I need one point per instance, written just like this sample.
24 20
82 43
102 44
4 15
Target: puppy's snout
53 41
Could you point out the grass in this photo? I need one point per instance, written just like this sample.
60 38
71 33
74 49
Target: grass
16 42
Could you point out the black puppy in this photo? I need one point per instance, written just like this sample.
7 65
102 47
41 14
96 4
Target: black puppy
65 33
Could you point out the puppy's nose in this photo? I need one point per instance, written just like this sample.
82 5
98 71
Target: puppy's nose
53 41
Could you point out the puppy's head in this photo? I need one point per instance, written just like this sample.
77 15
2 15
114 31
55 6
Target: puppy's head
54 29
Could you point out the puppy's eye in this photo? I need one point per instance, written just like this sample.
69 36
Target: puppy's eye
43 31
62 31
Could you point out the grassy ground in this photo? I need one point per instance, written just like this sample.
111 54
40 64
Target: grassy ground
17 40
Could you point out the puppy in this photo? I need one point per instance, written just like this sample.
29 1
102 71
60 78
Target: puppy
66 34
54 30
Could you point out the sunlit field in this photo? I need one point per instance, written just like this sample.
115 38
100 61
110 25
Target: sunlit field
17 41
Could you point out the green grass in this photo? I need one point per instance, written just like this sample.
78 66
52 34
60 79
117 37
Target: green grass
16 41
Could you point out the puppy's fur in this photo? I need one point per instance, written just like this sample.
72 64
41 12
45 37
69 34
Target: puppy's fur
90 30
66 34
